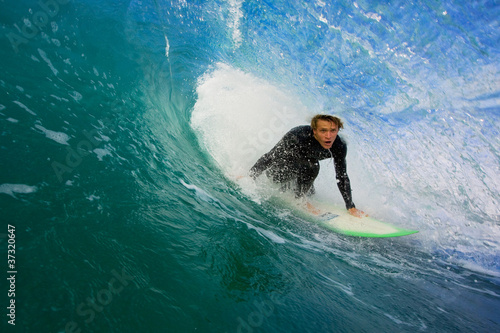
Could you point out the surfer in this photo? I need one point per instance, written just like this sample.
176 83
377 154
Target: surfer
294 161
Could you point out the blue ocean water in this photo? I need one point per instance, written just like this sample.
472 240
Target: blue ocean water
125 126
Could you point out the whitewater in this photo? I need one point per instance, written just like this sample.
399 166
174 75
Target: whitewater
128 129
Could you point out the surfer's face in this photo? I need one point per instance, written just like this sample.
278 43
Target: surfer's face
325 132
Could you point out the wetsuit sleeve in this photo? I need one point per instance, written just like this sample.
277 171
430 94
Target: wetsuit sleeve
267 159
280 152
343 181
262 164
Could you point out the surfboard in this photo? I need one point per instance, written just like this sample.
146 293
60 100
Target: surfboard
340 221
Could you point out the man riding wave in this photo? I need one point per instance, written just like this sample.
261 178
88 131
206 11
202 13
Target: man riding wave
294 161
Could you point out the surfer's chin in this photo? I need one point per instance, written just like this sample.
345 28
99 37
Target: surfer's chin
327 145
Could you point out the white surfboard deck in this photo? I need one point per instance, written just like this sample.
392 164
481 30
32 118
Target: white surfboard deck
339 220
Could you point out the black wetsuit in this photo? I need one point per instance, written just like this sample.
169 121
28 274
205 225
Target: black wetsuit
296 158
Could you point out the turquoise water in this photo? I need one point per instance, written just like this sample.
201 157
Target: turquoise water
126 124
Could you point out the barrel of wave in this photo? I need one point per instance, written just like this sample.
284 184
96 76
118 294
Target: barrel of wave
238 117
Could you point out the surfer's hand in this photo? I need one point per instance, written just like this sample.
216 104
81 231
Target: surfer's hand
356 212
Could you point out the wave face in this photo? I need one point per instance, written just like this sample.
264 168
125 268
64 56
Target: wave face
126 124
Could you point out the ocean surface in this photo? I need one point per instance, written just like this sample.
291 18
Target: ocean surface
126 128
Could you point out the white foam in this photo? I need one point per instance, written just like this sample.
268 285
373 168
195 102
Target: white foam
238 117
100 152
47 60
268 234
234 24
93 197
76 95
10 189
167 47
478 268
58 137
200 193
22 106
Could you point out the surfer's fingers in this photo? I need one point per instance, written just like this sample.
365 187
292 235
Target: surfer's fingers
358 213
312 209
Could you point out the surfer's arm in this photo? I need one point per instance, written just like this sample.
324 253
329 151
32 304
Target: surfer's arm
279 152
262 164
343 182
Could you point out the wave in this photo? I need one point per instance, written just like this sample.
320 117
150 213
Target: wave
418 173
125 126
